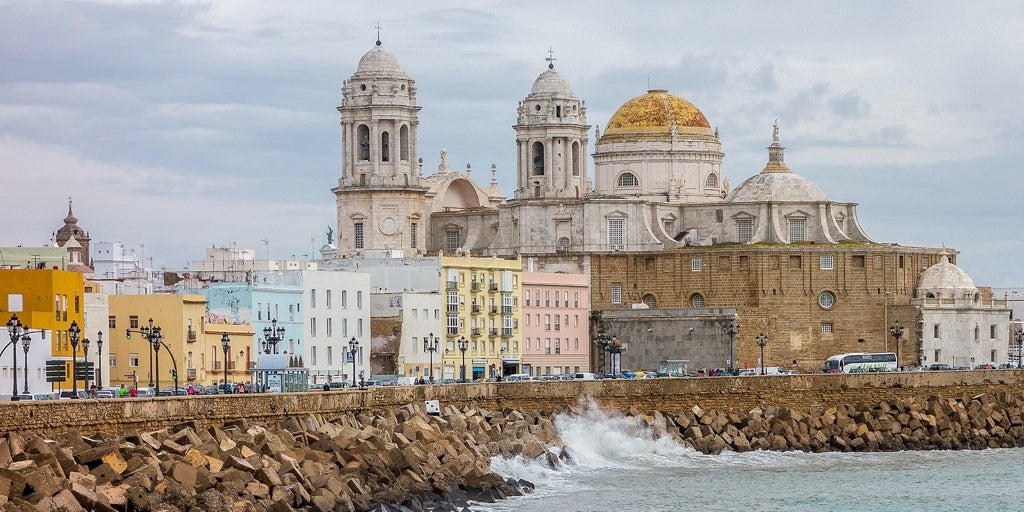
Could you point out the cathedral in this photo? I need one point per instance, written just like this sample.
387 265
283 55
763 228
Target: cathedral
658 225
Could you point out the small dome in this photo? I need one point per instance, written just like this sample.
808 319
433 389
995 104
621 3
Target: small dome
551 82
946 280
379 61
655 115
776 187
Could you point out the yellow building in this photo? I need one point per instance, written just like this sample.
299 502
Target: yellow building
481 315
47 300
194 344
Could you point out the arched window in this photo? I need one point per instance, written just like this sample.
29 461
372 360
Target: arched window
363 139
650 300
403 143
562 245
697 300
575 158
538 159
628 179
711 181
385 147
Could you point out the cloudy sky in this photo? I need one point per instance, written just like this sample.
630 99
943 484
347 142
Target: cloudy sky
182 125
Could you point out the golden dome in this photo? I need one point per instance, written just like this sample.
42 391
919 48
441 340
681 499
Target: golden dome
654 116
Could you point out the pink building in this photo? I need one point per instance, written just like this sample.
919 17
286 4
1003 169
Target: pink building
555 326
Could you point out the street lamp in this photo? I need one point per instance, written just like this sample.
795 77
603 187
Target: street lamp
85 351
225 343
463 346
18 331
430 345
73 333
601 342
762 340
152 335
732 329
353 348
25 342
99 357
615 348
272 336
1019 335
896 330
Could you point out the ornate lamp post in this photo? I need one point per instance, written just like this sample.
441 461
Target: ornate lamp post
353 349
25 342
601 342
18 331
99 358
225 343
430 345
271 337
152 334
896 330
85 352
155 339
615 349
1019 335
732 329
73 333
463 346
762 340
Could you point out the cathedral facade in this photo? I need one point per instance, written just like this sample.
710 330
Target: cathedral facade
658 225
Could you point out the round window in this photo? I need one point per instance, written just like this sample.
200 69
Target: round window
697 300
826 300
403 87
537 108
362 87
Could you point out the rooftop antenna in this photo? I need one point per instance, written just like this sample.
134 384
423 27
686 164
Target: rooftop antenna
551 58
378 27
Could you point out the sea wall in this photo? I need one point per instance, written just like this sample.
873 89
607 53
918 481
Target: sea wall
371 449
722 394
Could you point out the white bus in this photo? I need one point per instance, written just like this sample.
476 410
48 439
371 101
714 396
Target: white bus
860 362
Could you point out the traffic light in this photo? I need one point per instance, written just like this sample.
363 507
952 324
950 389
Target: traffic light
127 334
174 374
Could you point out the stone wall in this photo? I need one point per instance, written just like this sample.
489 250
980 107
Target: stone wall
722 394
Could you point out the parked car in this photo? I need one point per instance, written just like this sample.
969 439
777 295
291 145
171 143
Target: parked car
68 394
145 392
45 396
517 377
22 397
939 367
105 393
985 367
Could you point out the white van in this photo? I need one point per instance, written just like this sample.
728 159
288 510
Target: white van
584 376
768 370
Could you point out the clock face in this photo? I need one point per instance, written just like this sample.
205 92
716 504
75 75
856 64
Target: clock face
388 226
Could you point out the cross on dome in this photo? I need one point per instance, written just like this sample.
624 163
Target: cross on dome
551 58
378 27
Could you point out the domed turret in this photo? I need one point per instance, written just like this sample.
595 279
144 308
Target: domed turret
379 61
776 183
945 280
551 132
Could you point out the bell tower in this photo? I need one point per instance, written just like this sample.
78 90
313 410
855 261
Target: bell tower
380 197
551 140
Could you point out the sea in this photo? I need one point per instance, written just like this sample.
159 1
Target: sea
616 467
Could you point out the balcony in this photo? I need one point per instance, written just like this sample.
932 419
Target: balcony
190 374
494 331
475 286
506 332
477 331
476 309
493 287
452 285
190 336
494 310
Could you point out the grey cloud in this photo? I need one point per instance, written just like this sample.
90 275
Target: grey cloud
850 105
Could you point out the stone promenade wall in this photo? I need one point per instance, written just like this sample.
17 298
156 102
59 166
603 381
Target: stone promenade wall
722 394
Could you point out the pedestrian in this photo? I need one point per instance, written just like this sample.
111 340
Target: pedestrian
133 392
327 387
122 392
